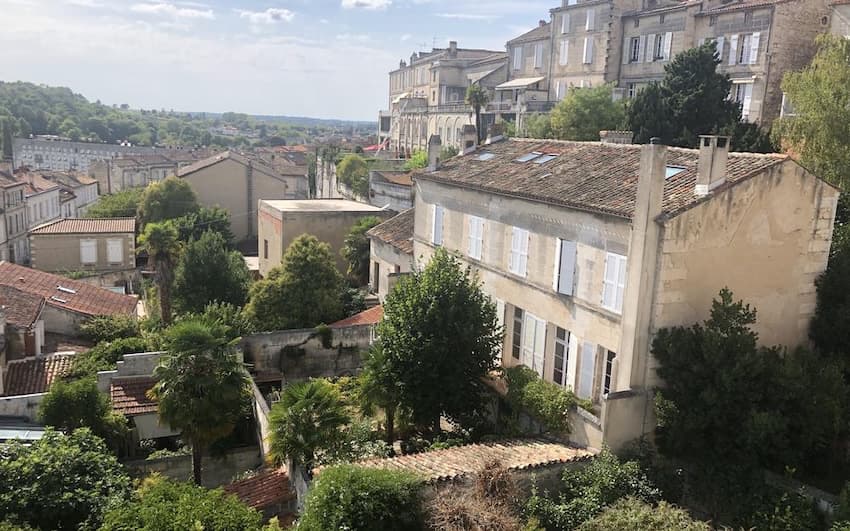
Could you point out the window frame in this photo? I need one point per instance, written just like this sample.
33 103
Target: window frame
475 240
110 242
518 261
616 281
563 367
84 243
516 333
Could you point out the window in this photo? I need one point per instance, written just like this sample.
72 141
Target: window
748 17
632 90
518 58
519 252
565 266
562 356
88 251
115 251
588 50
437 232
476 237
485 156
614 283
376 277
745 42
670 171
563 57
634 50
516 340
743 95
661 18
266 249
529 156
587 368
538 56
565 23
590 23
533 343
609 370
543 159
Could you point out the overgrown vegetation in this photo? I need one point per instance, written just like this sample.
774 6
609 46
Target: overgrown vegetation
545 401
356 250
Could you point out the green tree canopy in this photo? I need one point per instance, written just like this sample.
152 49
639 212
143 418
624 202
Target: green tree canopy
353 171
820 96
477 98
159 241
356 250
202 389
440 335
304 291
636 515
585 112
306 422
162 504
167 199
60 481
71 405
377 388
123 204
209 272
193 225
418 160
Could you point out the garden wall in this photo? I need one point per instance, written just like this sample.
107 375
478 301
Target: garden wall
217 471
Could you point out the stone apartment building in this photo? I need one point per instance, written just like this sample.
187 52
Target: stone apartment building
427 96
588 249
77 191
62 155
13 236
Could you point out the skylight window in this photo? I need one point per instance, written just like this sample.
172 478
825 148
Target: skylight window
486 156
57 299
670 171
544 159
529 156
66 290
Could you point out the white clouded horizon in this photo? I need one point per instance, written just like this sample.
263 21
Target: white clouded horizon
172 10
271 15
366 4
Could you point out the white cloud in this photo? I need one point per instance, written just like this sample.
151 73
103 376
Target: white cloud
359 37
271 15
406 37
84 3
366 4
468 16
165 9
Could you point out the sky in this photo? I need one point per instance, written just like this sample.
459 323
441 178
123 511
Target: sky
316 58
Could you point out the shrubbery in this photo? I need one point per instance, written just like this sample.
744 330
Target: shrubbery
545 401
635 515
357 498
109 328
104 356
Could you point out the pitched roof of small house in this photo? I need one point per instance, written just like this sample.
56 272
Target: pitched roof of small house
20 308
266 488
461 461
743 4
401 178
372 316
591 176
87 226
129 395
396 231
540 32
34 375
240 158
64 293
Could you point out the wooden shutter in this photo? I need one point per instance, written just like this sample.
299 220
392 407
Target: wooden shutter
733 50
523 252
565 23
621 283
437 233
539 345
565 50
588 50
719 43
566 264
650 48
746 101
641 48
590 25
88 251
538 55
587 370
754 48
115 251
528 330
513 265
668 45
518 57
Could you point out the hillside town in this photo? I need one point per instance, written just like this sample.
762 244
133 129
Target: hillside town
596 280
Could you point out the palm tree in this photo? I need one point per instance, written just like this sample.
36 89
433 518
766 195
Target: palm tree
161 242
307 420
202 388
378 388
478 98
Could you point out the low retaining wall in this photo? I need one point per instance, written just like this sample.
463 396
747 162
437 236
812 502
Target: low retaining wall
21 406
216 471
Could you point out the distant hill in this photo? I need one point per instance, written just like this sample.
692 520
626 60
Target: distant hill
30 109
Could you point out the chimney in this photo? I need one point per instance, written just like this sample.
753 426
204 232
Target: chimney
494 134
541 22
412 58
435 145
452 49
616 137
470 138
402 64
713 156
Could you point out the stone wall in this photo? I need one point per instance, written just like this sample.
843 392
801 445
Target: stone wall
21 406
217 471
300 354
261 416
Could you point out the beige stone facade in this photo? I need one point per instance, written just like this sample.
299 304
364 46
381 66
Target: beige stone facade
74 245
329 220
582 289
391 253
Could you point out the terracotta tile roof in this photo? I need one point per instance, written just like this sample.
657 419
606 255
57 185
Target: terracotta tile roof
396 231
743 4
87 226
34 375
241 158
661 9
372 316
129 395
540 32
34 183
73 296
401 178
590 176
263 490
21 309
460 461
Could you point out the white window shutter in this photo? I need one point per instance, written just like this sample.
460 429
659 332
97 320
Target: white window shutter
88 251
538 55
621 282
650 48
565 50
668 45
588 50
518 57
528 330
754 48
719 43
587 370
115 251
642 48
513 265
747 101
733 50
590 25
539 346
437 234
627 51
566 266
565 23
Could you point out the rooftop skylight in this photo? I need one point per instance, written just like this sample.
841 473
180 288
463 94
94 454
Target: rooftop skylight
545 158
486 156
673 170
529 156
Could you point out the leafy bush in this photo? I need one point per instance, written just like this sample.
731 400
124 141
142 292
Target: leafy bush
60 481
109 328
104 356
587 491
545 401
418 160
781 511
636 515
80 404
357 498
161 504
166 453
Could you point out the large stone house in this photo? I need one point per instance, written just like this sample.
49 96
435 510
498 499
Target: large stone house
13 222
589 248
236 183
91 245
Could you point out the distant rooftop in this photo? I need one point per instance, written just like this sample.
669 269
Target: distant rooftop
87 226
320 205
